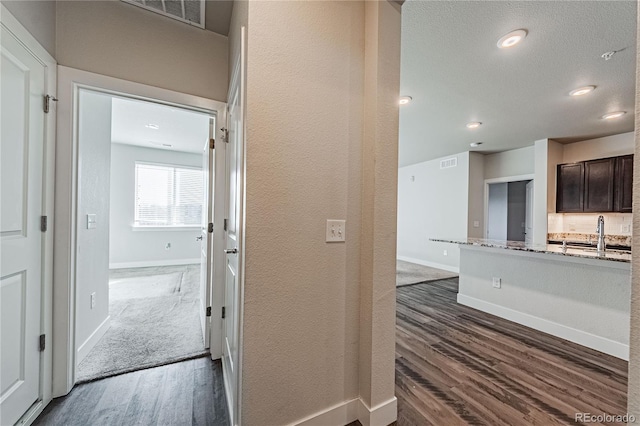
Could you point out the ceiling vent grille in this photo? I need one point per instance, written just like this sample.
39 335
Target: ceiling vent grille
187 11
448 163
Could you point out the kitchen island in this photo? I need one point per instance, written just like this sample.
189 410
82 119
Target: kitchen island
573 293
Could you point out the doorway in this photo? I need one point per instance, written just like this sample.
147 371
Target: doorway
76 165
509 207
142 195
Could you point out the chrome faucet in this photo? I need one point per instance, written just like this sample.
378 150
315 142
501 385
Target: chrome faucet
601 248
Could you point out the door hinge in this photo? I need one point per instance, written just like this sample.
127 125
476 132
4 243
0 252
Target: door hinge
225 134
212 144
224 312
210 228
42 342
208 311
43 223
47 100
225 224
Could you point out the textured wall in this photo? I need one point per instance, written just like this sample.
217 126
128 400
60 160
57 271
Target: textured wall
515 162
92 262
633 396
39 18
127 245
304 165
127 42
610 146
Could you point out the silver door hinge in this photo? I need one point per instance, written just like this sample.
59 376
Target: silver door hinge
225 224
208 311
43 223
47 100
42 342
210 228
224 312
225 134
212 144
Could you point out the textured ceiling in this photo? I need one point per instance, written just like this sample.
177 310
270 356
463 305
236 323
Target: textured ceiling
184 130
455 73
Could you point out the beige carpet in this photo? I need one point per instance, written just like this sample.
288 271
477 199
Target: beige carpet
411 273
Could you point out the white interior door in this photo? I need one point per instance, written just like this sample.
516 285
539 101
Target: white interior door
206 236
22 88
233 240
528 221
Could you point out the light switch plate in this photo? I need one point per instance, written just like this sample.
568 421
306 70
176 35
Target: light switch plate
91 221
497 282
476 224
335 231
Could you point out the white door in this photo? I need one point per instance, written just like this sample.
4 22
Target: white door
233 238
528 221
21 155
206 237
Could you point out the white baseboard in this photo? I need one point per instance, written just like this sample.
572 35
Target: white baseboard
381 415
602 344
147 263
350 411
95 337
449 268
338 415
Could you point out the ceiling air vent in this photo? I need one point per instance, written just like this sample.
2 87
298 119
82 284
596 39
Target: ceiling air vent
449 162
188 11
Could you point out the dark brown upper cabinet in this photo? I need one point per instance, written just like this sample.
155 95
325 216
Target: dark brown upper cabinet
595 186
570 188
598 185
623 190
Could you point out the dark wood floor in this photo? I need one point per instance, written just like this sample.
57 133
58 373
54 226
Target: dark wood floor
456 365
186 393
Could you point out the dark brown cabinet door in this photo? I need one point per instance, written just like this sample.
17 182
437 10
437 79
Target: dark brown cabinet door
623 191
598 185
570 188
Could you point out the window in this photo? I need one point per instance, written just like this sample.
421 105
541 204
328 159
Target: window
168 196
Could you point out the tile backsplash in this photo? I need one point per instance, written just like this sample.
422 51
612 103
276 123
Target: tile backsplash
585 223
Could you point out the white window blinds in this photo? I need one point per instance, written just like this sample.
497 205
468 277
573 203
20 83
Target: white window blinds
168 195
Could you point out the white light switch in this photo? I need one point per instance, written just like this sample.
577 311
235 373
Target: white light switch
476 224
335 231
497 282
91 221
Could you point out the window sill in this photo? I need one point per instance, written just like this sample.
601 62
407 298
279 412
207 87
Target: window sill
137 228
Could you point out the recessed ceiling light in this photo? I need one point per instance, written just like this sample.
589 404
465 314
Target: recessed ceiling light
405 100
474 125
612 115
511 39
582 90
474 144
152 126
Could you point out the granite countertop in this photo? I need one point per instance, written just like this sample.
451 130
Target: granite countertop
612 255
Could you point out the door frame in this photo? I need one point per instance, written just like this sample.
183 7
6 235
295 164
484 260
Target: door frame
505 179
70 81
8 21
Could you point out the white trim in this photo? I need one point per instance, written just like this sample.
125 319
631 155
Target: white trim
504 179
339 414
92 340
46 361
182 228
382 414
449 268
70 80
148 263
617 349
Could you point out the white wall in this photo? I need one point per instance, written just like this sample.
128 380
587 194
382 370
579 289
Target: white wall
124 41
475 225
92 262
582 300
515 162
136 248
498 210
39 18
610 146
432 203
